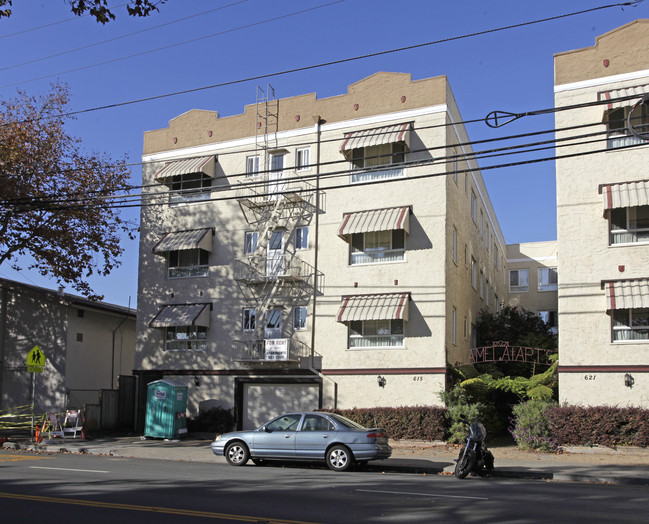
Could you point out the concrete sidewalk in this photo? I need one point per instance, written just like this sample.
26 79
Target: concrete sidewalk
604 465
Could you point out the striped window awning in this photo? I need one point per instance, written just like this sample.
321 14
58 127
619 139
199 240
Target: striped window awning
387 219
179 240
182 315
187 166
620 93
388 306
376 137
627 194
627 294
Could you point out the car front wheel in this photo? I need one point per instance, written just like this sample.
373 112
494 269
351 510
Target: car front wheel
237 454
339 458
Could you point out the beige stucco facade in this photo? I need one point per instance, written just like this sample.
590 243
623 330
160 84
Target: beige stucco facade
87 346
599 257
448 233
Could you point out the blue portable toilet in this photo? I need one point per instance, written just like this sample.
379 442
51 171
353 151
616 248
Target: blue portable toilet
165 410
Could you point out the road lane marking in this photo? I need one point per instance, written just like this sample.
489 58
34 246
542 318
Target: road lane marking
422 494
70 469
151 509
18 458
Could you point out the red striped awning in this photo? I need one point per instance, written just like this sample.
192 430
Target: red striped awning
376 137
388 306
387 219
627 294
621 93
626 194
187 166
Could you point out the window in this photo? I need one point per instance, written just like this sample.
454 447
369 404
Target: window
302 159
629 225
301 237
186 338
299 318
252 165
455 245
384 155
481 225
474 274
519 280
376 334
481 284
616 123
188 263
496 256
249 319
284 423
378 246
250 242
80 313
550 318
474 210
630 324
317 423
466 328
190 188
547 279
466 255
79 337
454 328
497 303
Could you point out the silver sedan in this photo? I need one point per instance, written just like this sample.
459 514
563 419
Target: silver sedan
317 436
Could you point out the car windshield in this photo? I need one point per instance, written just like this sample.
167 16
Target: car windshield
345 421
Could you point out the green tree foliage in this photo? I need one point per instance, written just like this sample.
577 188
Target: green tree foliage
98 8
518 326
459 405
53 198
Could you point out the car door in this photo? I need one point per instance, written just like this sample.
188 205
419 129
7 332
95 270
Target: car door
314 436
277 438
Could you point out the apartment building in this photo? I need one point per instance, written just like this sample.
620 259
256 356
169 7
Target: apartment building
533 279
603 219
315 253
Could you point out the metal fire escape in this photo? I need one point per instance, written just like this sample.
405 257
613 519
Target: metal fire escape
274 203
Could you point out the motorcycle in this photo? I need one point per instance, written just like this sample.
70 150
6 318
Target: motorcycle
474 455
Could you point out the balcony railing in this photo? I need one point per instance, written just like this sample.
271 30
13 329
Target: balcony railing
366 175
260 269
265 350
267 188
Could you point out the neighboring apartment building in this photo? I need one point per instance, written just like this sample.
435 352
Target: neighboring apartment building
86 344
603 220
533 279
313 252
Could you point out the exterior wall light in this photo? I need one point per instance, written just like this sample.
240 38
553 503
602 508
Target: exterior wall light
196 381
381 381
628 380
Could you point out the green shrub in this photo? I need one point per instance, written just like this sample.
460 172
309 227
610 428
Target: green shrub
214 420
530 426
412 423
459 406
604 425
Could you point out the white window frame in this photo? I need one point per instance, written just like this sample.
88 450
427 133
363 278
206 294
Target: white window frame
377 163
250 242
184 267
546 282
518 287
618 133
630 325
185 338
301 239
302 158
474 273
300 318
376 334
474 208
454 247
189 188
379 255
454 326
631 233
252 165
249 319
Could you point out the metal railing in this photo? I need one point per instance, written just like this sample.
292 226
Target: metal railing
254 350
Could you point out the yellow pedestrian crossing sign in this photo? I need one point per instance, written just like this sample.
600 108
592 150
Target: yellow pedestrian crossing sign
35 360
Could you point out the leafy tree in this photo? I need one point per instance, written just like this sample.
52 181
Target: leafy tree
98 8
53 198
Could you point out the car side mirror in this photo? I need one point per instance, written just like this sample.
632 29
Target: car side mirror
265 428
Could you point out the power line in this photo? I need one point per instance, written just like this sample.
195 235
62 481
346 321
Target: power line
346 60
246 26
138 32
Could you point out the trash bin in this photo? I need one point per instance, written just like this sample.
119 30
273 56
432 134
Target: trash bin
165 410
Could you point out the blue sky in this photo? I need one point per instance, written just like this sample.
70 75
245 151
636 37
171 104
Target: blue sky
174 50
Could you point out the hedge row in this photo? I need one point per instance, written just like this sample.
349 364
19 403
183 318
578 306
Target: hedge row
604 425
413 423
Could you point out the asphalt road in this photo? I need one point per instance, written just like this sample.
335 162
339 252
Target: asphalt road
55 488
